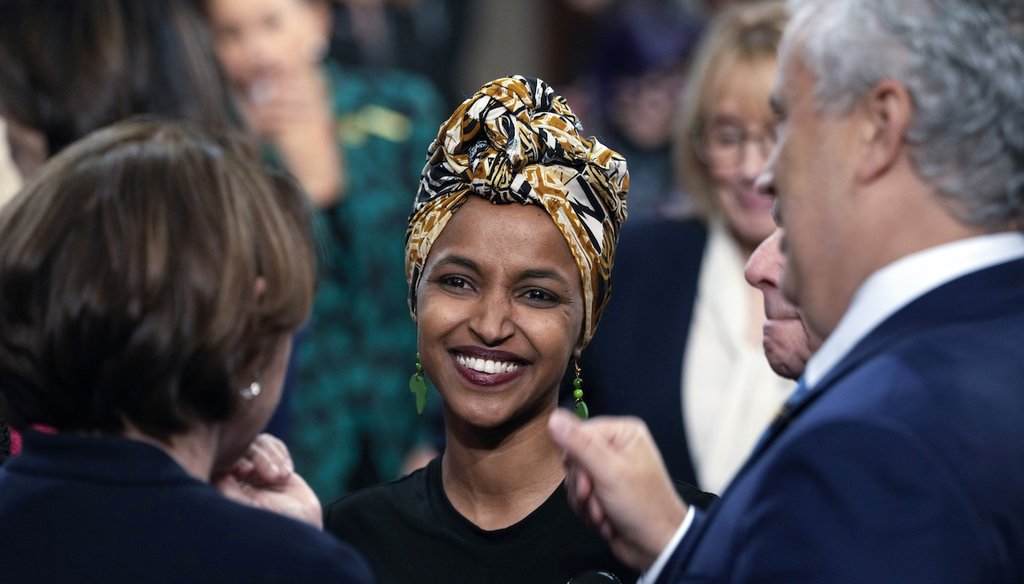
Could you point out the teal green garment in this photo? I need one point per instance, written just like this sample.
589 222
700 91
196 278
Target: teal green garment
351 406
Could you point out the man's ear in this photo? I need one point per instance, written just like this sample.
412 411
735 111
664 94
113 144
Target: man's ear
887 112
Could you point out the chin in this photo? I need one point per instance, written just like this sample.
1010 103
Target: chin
786 368
784 358
496 417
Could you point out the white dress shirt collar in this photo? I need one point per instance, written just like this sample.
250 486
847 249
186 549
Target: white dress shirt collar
891 288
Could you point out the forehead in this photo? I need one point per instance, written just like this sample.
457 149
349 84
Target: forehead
250 9
743 90
508 237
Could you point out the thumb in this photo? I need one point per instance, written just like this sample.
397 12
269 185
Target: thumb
584 447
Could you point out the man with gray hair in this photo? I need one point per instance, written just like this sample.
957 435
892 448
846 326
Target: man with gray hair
899 176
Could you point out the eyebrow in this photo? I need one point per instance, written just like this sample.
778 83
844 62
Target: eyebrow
455 260
726 119
528 274
543 275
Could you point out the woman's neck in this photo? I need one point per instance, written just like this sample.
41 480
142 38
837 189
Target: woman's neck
193 451
497 483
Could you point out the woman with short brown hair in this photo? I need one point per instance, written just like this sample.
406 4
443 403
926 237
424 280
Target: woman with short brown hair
151 277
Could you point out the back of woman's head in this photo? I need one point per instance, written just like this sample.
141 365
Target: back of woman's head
144 275
68 67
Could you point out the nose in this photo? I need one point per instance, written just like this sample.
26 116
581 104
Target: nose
754 157
491 321
765 185
764 268
765 182
257 57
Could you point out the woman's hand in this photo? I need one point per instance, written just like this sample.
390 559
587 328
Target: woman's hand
293 112
265 477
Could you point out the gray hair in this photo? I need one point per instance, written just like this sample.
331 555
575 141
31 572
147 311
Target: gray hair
962 61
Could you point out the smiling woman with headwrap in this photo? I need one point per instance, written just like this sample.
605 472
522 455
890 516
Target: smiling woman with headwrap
508 254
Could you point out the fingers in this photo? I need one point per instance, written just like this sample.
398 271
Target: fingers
277 450
596 445
618 483
267 461
581 447
595 513
579 488
232 489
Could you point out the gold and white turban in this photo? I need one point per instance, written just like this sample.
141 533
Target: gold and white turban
516 141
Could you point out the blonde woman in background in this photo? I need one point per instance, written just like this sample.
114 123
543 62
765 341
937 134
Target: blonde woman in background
680 345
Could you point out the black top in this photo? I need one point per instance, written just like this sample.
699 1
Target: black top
410 533
107 509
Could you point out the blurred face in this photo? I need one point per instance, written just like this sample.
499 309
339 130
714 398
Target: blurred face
259 40
737 140
642 107
811 173
788 343
499 314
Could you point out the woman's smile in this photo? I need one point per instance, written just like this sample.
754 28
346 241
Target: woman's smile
485 367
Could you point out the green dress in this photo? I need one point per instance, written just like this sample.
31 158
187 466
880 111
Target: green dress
352 416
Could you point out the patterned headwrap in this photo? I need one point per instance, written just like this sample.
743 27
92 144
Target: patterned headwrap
516 141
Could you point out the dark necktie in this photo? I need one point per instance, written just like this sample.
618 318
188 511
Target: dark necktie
785 414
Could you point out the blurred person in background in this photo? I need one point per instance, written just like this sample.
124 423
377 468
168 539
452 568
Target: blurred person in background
68 67
638 70
681 343
354 138
427 37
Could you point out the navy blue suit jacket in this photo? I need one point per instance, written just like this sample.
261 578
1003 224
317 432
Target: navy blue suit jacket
106 509
634 364
905 465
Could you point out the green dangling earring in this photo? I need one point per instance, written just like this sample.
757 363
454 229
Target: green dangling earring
418 386
582 412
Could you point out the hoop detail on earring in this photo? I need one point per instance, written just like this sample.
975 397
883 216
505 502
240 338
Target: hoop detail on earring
250 391
582 411
418 386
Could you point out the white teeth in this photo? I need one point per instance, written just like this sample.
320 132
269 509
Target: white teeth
486 365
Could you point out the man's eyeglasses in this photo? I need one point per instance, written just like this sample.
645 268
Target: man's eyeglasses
725 145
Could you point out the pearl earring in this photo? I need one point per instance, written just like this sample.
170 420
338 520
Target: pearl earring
251 391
